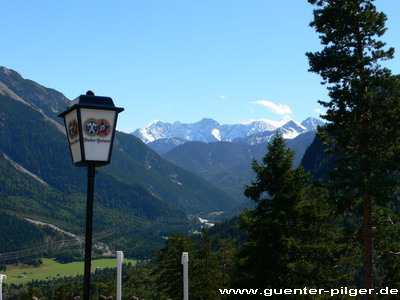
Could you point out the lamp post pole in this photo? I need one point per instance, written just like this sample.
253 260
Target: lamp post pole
89 231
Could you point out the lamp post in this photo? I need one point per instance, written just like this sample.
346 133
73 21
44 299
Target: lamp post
90 123
2 276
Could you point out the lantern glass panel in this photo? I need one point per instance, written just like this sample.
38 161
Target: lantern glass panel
71 123
97 130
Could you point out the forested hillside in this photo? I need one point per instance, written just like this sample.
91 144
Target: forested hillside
226 164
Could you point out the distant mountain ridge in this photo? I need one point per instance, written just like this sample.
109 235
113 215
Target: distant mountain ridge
208 131
227 165
222 154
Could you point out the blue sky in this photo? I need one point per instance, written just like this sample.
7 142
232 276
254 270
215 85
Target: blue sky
175 60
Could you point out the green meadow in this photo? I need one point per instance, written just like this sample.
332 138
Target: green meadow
52 269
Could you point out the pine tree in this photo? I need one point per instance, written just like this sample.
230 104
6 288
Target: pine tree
387 245
168 270
325 258
225 253
267 255
204 277
363 111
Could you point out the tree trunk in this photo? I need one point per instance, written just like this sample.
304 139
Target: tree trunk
367 235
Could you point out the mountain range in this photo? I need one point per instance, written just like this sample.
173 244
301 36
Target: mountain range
208 130
163 136
222 154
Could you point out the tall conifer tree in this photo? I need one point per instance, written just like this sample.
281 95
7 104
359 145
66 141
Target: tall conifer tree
168 269
270 248
363 112
291 237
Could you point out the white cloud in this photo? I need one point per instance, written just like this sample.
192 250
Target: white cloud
279 109
223 97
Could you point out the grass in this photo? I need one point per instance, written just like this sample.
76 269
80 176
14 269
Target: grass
52 269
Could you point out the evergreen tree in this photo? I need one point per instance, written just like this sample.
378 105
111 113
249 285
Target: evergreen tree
363 111
140 282
204 275
225 266
265 258
324 257
386 243
168 270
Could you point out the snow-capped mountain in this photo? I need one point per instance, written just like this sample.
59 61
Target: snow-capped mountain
312 123
234 131
206 130
209 130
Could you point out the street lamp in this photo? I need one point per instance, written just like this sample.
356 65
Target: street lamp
90 123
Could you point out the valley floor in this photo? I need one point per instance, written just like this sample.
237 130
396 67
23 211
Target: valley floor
50 269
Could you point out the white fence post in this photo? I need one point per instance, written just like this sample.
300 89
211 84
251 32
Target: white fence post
120 259
185 261
1 285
